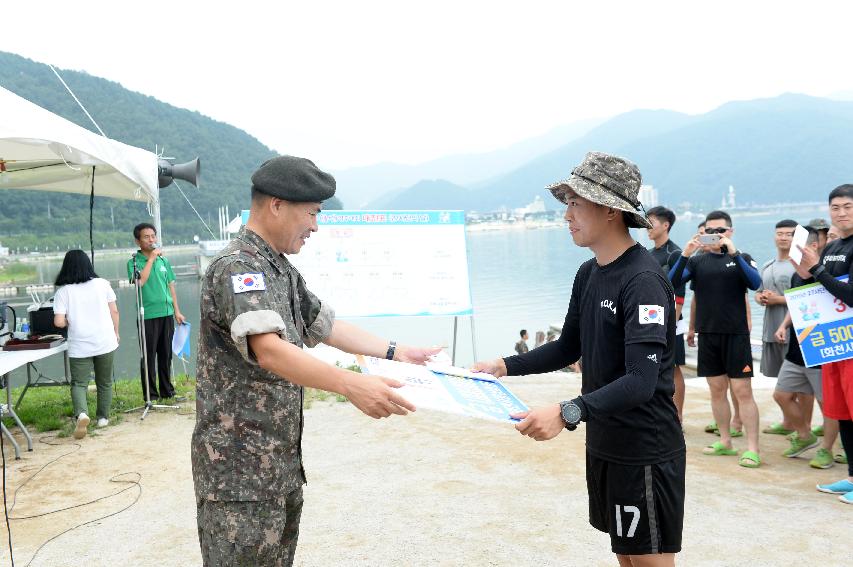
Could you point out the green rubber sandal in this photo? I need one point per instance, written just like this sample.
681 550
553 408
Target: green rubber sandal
777 429
717 449
711 427
750 460
732 432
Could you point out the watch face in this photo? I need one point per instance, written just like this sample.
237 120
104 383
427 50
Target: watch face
571 413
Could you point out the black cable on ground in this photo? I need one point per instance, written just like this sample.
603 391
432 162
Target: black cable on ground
80 525
5 509
116 479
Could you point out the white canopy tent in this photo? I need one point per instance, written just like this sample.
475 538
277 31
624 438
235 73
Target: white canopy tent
41 151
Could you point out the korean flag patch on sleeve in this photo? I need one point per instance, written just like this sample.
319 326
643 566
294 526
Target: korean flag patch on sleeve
650 314
248 282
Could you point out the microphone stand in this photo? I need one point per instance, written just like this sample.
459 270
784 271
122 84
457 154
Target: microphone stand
140 328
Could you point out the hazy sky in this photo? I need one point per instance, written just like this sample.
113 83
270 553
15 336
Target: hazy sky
355 83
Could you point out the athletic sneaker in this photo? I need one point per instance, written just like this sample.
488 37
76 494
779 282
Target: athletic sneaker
847 498
841 487
103 422
800 446
818 430
822 459
841 458
82 424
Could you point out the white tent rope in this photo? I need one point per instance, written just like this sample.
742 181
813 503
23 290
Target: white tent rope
194 209
80 104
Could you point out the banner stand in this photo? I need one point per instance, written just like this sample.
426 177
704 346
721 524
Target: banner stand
455 333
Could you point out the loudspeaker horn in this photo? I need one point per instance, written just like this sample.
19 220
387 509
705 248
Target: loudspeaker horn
189 171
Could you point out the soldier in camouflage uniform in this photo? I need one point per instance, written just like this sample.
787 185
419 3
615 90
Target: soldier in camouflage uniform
256 315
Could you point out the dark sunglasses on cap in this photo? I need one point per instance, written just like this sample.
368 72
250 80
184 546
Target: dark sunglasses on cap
718 230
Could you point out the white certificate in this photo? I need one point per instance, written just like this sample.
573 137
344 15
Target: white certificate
800 237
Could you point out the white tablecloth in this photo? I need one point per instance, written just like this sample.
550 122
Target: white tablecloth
12 360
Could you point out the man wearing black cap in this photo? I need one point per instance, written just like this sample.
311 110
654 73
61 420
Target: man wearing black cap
621 319
256 315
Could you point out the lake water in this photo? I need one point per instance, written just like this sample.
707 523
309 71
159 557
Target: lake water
519 279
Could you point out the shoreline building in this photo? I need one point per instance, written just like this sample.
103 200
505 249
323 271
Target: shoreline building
729 199
648 196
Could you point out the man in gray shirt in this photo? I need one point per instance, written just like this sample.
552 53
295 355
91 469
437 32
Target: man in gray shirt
775 279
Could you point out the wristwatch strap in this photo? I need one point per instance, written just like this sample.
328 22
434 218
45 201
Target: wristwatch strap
392 346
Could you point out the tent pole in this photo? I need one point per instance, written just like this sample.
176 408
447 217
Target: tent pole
156 210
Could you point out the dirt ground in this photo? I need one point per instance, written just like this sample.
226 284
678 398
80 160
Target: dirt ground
430 489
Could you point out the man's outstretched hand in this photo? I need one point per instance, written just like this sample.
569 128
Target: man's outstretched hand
541 424
496 367
375 395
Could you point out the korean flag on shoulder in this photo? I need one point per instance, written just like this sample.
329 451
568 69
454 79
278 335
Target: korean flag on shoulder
652 314
248 282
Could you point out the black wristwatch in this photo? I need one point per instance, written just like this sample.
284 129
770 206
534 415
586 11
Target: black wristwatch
817 270
571 414
392 346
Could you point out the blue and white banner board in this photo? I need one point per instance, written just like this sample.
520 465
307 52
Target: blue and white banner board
388 263
823 323
484 397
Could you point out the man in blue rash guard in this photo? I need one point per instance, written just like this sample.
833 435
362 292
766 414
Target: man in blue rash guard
721 276
621 319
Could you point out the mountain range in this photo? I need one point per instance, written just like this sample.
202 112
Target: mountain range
362 186
790 148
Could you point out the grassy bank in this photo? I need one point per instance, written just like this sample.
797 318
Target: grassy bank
49 408
17 272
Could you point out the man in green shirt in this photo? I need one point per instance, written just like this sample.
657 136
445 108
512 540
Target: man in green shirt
160 308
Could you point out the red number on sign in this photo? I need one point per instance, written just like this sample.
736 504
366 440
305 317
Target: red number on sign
842 307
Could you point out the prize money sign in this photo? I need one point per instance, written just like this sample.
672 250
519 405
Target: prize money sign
823 323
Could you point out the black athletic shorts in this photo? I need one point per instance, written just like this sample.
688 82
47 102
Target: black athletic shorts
680 355
640 506
721 353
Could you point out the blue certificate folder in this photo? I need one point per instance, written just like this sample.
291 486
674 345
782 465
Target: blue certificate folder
475 397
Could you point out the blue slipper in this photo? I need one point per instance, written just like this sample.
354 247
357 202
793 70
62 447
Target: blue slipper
841 487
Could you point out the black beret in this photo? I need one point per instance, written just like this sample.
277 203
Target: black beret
294 179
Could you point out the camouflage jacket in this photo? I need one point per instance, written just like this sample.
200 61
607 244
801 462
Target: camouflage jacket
247 440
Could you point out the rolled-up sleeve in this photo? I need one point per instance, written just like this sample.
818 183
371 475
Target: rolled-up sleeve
248 312
320 329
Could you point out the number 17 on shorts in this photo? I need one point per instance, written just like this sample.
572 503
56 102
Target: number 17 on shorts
635 519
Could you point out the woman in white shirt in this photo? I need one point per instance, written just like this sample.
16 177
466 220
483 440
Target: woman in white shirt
86 304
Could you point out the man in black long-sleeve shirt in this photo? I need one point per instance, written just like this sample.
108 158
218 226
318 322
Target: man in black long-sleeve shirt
835 261
721 276
621 318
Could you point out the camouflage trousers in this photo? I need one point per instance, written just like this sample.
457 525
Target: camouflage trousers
249 534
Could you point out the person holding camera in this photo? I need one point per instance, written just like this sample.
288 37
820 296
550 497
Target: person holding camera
160 302
721 276
86 304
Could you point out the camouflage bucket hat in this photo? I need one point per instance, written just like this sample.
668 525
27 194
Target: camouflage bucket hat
607 180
